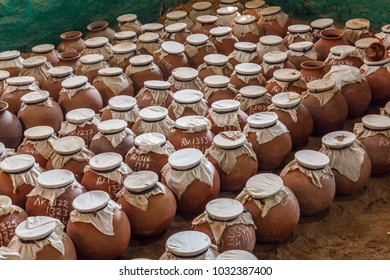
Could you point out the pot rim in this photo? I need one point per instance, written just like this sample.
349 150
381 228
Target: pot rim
3 106
324 34
313 64
97 25
71 35
69 56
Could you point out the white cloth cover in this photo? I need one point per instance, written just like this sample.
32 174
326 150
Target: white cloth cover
195 84
361 132
225 119
116 84
307 36
200 108
206 256
59 161
263 49
6 209
246 103
243 57
8 254
382 35
207 91
281 18
105 51
284 85
292 111
131 26
131 69
246 78
323 96
29 178
115 139
367 70
164 126
344 75
267 67
354 53
129 116
225 37
217 69
72 92
354 35
310 54
264 135
158 96
226 20
39 72
12 63
149 47
43 147
192 50
47 103
32 87
67 127
85 68
119 60
147 146
239 30
115 176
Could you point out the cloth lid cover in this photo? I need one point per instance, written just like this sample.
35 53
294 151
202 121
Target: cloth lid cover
264 185
263 119
68 145
311 159
153 113
39 132
338 139
225 105
151 137
17 163
188 243
105 161
55 179
286 99
35 228
376 122
91 201
140 181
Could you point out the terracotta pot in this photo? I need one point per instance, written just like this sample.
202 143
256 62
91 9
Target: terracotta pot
204 24
350 59
71 59
269 26
254 99
177 32
121 107
46 50
247 74
273 61
215 64
12 132
170 56
71 42
329 38
286 80
187 103
217 87
312 70
100 29
379 82
357 106
231 106
153 93
53 83
223 39
16 62
197 47
201 140
241 27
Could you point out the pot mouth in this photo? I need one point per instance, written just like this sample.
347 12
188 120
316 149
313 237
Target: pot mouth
71 35
331 34
69 56
3 106
312 64
97 25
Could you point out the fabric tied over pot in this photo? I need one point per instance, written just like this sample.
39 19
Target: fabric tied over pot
29 251
218 227
267 67
199 107
284 85
158 96
344 75
52 194
196 126
68 127
85 68
39 72
227 158
314 175
264 204
367 70
141 200
164 126
208 91
243 57
105 51
382 35
208 255
130 26
31 87
115 175
147 146
192 50
228 36
6 207
178 180
225 119
263 49
129 116
310 54
354 53
281 18
149 47
54 80
131 69
102 219
59 161
73 91
116 84
181 85
29 178
239 30
362 132
222 70
323 97
172 36
246 78
347 161
160 53
6 254
226 20
115 139
307 36
43 147
246 103
46 103
354 35
119 60
12 63
186 20
264 135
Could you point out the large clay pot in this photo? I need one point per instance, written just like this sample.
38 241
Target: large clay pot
204 24
343 55
286 80
253 99
10 126
297 33
187 103
215 64
90 65
71 42
247 74
273 61
98 45
320 24
154 27
125 37
46 50
312 70
148 43
273 21
329 38
178 17
11 61
358 28
226 16
121 54
254 8
245 29
155 93
37 67
100 29
177 32
268 44
244 52
223 39
129 22
217 87
121 107
53 83
185 78
197 47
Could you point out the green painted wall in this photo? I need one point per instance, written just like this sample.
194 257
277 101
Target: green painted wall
25 23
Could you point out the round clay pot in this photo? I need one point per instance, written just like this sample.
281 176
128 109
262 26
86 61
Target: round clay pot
329 38
312 70
223 107
204 24
245 29
71 59
350 59
12 132
269 26
100 29
71 42
273 61
197 47
187 103
177 32
16 65
217 87
223 39
53 83
247 74
121 107
286 80
379 82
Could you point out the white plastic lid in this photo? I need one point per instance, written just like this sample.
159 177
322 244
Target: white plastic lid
20 81
122 103
227 10
42 49
188 243
220 31
176 15
264 185
39 132
91 201
151 137
358 23
112 126
36 228
74 82
275 57
197 39
185 73
340 50
149 37
298 28
286 99
271 40
245 19
55 179
217 81
152 27
254 4
96 42
216 59
60 71
287 75
262 120
225 105
172 47
224 209
153 113
338 139
248 68
123 35
320 85
127 18
4 75
9 55
311 159
237 254
68 145
111 71
245 46
201 6
79 116
140 181
376 122
176 27
35 97
223 141
185 159
91 58
253 91
187 96
106 161
301 46
206 19
157 85
322 23
34 61
142 59
17 163
270 10
187 122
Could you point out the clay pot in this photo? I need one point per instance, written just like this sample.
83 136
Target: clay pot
253 99
11 61
177 32
71 42
100 29
245 29
46 50
161 204
329 38
90 65
270 26
226 16
187 103
352 57
273 61
53 83
204 24
217 87
358 28
378 80
178 17
320 24
155 93
125 37
197 47
12 132
148 43
244 52
301 52
121 54
286 80
247 74
215 64
254 8
185 78
71 59
170 56
121 107
220 111
312 70
297 33
153 27
223 39
129 22
37 67
4 75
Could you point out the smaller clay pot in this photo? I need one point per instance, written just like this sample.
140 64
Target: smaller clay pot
362 44
46 50
197 46
297 33
204 24
154 27
223 39
247 74
155 93
254 8
356 29
71 42
185 78
90 65
244 52
329 38
11 61
269 43
215 64
53 83
253 99
12 132
98 45
125 37
177 32
121 54
71 59
187 103
217 87
301 52
100 29
273 61
273 21
199 9
121 107
312 70
129 22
